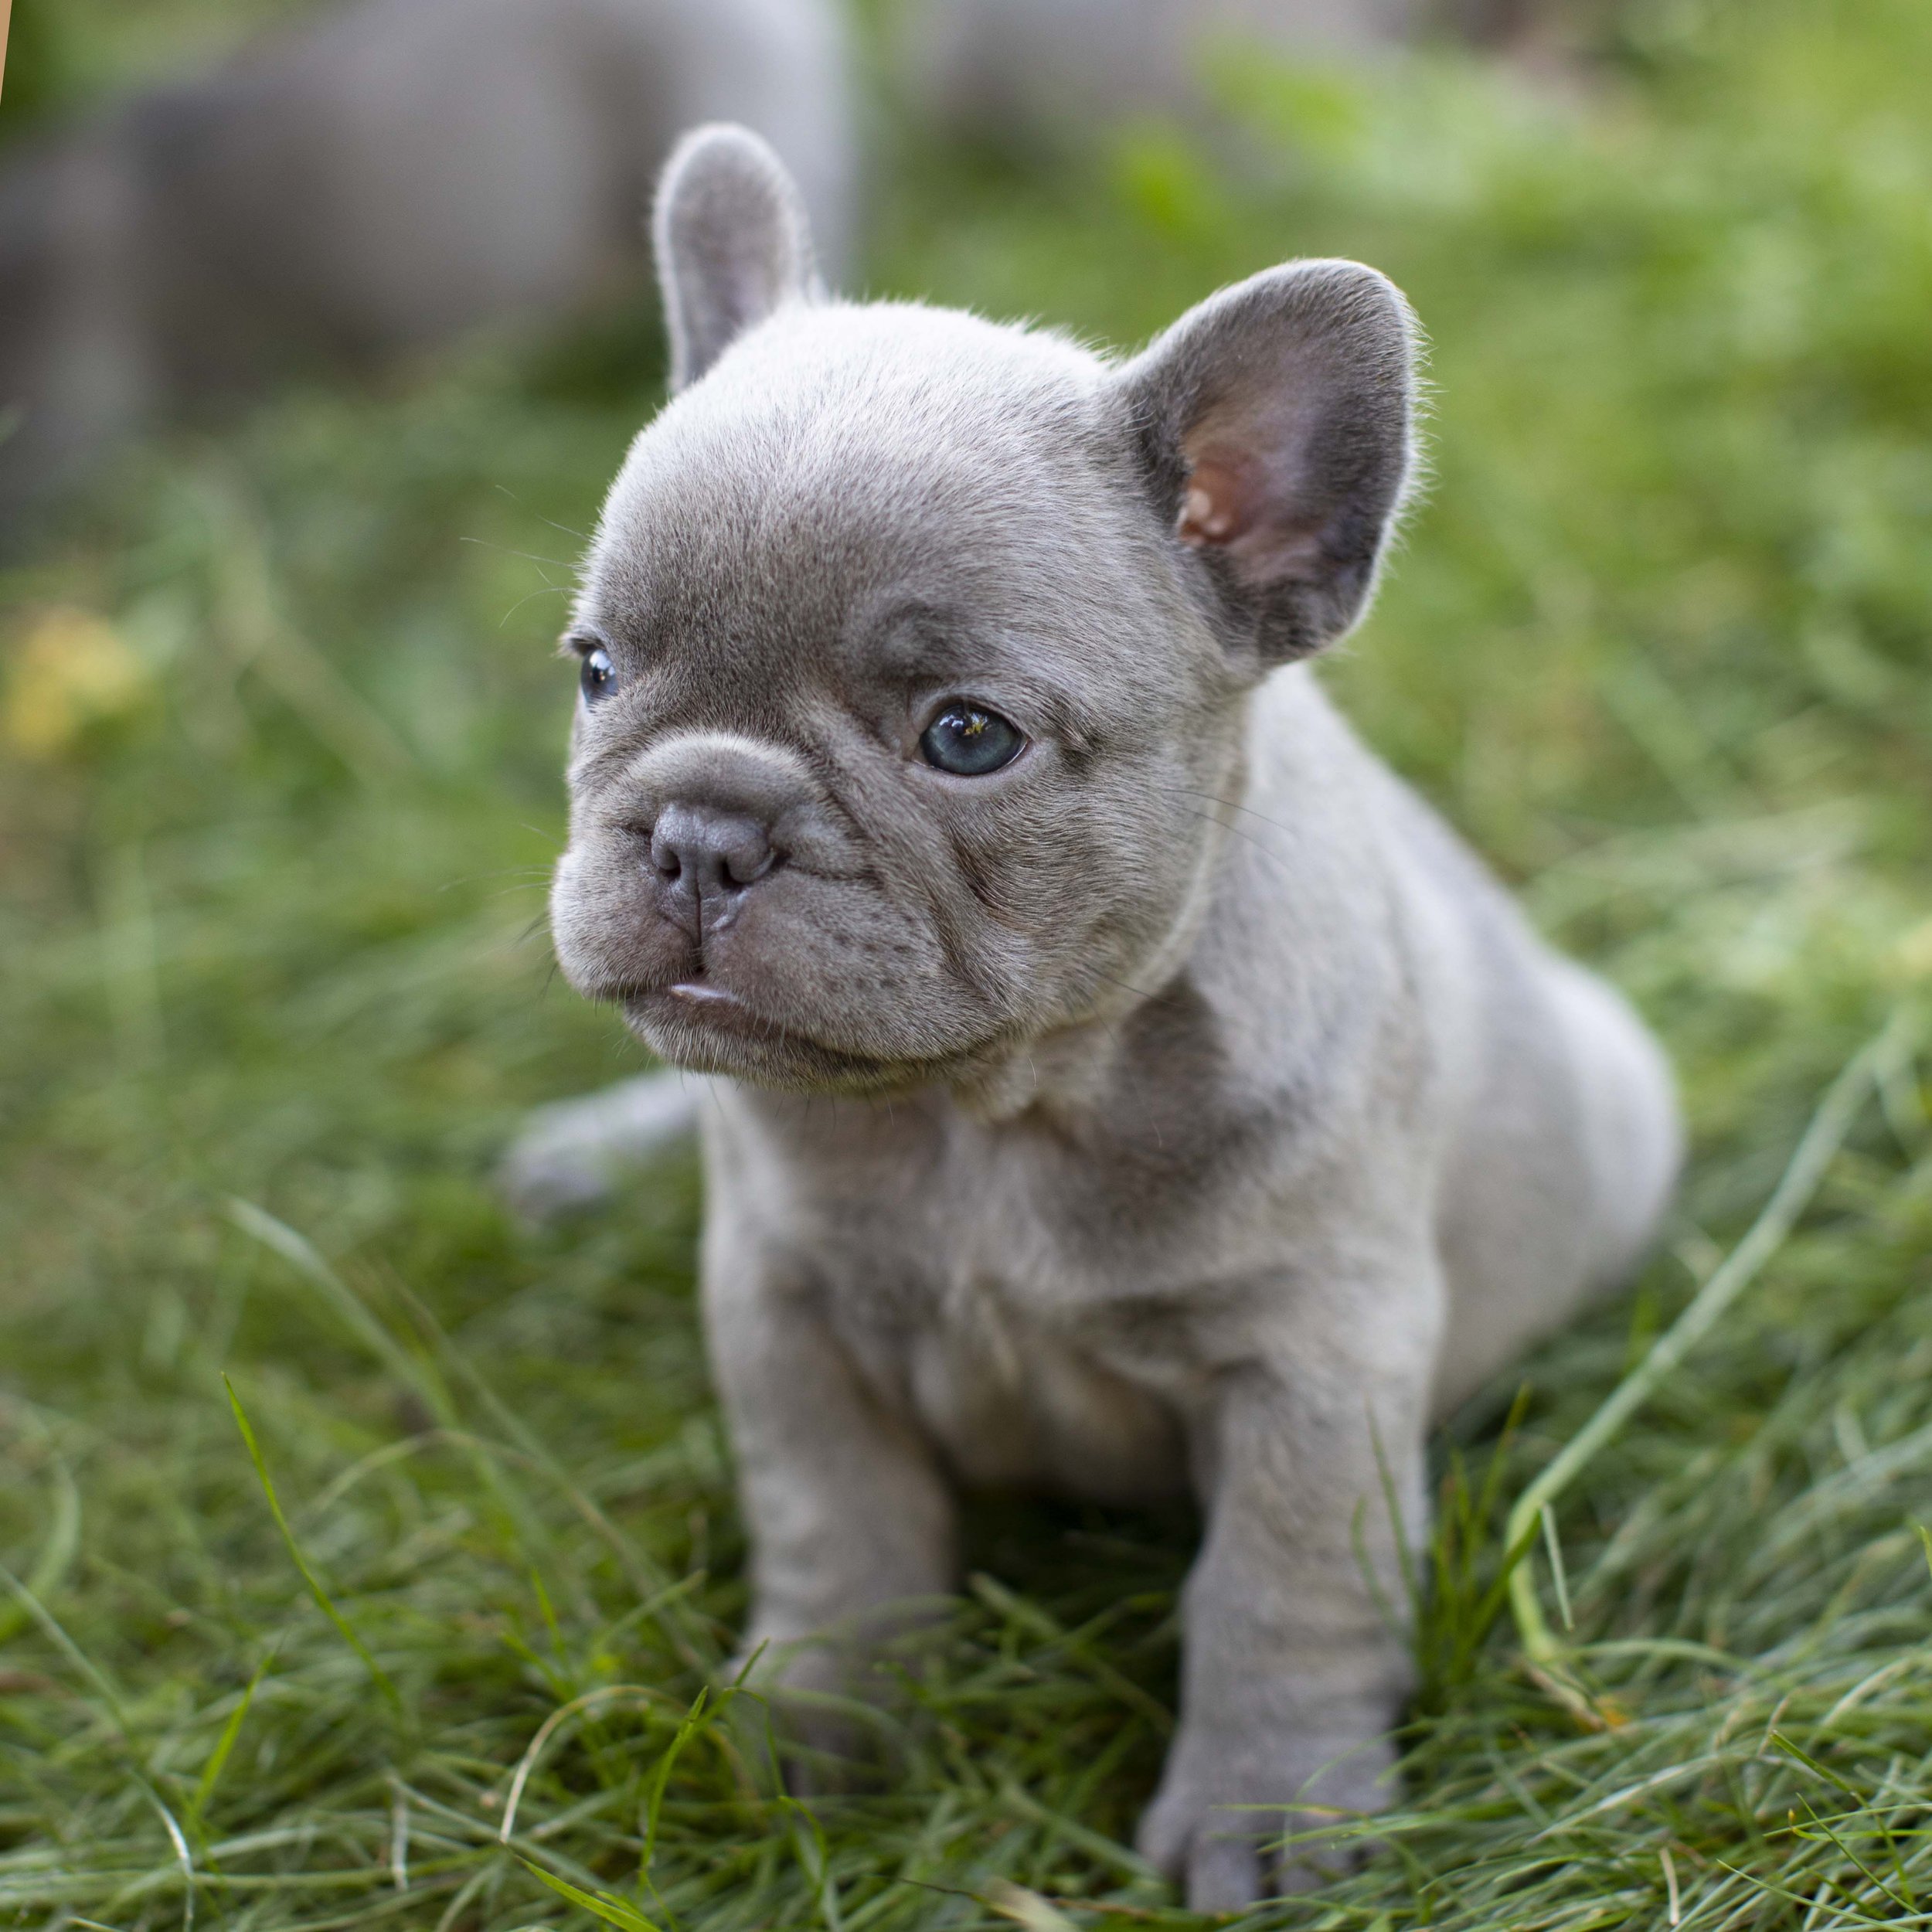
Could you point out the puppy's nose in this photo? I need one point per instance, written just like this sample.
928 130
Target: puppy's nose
705 859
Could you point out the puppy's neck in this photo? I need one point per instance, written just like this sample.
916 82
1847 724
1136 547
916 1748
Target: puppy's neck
1064 1075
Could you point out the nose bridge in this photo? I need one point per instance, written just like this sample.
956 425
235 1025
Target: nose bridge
720 773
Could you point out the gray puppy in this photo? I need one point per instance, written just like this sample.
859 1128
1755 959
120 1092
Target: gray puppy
1125 1085
389 174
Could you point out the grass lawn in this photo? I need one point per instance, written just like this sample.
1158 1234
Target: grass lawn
424 1643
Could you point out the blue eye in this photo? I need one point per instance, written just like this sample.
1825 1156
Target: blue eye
969 742
597 676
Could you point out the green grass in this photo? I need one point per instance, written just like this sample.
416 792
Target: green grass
1659 641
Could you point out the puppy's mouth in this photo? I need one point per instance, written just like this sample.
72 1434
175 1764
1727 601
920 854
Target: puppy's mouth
702 997
698 1013
697 1023
697 1002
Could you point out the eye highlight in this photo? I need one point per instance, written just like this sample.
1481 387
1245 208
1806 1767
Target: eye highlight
970 741
596 675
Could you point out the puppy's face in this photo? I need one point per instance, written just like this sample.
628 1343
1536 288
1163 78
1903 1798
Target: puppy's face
896 735
912 653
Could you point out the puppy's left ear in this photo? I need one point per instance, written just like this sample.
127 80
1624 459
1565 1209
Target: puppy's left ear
1273 424
732 242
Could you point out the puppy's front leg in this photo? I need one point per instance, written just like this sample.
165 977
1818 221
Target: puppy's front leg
849 1517
1291 1674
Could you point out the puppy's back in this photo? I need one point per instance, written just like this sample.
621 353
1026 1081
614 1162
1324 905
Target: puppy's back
1566 1139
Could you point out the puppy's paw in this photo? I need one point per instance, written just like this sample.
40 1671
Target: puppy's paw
570 1157
1215 1824
807 1688
790 1671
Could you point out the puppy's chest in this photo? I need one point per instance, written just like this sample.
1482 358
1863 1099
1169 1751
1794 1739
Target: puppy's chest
989 1287
957 1226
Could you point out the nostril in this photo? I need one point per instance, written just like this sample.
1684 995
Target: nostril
746 863
667 859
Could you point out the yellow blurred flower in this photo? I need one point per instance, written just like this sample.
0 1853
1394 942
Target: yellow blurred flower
1911 956
69 671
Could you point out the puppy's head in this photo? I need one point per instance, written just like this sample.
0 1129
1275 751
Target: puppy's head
914 648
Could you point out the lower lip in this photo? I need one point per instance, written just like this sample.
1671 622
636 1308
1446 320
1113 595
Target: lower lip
706 1009
698 1004
694 993
726 1015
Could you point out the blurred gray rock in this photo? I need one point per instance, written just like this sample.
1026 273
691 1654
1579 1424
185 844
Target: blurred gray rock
390 174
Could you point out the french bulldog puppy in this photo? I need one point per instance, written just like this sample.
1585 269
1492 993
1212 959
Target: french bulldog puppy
389 173
1121 1083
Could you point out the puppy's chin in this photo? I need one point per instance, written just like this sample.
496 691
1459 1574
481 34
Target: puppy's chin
712 1031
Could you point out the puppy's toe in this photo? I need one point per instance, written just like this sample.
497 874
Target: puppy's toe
1224 1873
1213 1854
1166 1833
1218 1826
801 1695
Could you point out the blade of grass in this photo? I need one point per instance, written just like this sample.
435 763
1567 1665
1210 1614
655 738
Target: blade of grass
1814 1153
218 1758
308 1575
599 1905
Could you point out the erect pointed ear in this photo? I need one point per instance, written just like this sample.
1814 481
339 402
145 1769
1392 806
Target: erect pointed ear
731 242
1273 422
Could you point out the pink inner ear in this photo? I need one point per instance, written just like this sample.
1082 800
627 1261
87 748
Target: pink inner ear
1233 503
1220 503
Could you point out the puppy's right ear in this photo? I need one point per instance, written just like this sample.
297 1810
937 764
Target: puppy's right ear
732 241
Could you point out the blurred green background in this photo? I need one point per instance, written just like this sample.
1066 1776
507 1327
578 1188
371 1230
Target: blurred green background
282 736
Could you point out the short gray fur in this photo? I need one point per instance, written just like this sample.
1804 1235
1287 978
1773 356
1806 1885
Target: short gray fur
1181 1107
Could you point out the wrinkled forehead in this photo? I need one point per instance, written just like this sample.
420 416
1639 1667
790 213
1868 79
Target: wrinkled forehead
843 455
